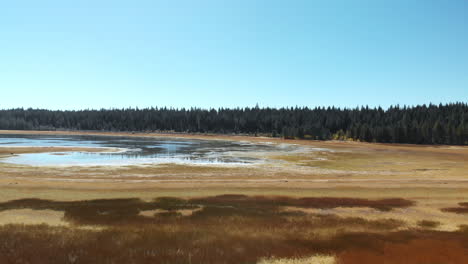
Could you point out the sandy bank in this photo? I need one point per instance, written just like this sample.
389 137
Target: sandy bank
13 150
316 143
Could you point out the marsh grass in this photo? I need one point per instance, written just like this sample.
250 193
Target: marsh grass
462 209
428 224
243 201
220 229
422 248
201 244
127 211
317 259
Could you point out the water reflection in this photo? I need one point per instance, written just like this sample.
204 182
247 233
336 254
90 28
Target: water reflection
135 151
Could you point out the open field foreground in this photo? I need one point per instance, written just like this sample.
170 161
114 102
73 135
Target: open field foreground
325 202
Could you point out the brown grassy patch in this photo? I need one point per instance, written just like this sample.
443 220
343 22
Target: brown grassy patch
308 202
127 211
202 244
228 229
462 209
437 247
102 211
428 224
317 259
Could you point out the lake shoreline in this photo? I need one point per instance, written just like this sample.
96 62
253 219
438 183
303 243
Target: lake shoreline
272 140
347 164
85 150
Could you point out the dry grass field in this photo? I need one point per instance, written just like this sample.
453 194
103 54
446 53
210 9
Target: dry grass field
331 202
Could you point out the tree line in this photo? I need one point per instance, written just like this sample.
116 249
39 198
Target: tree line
422 124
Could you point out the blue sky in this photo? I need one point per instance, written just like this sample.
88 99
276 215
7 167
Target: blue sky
93 54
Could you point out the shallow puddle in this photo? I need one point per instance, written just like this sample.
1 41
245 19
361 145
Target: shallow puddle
134 150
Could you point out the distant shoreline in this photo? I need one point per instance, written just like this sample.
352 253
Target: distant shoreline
237 137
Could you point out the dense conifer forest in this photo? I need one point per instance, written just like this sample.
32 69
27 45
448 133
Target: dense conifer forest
426 124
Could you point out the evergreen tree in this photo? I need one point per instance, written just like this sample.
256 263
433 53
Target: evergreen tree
426 124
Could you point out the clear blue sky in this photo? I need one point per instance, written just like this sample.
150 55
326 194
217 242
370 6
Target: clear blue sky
109 53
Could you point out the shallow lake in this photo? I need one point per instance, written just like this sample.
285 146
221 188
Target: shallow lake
133 150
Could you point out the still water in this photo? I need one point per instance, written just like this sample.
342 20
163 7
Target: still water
133 151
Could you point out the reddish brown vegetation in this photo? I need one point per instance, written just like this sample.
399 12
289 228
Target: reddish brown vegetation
424 248
228 229
125 211
463 209
428 224
308 202
201 244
